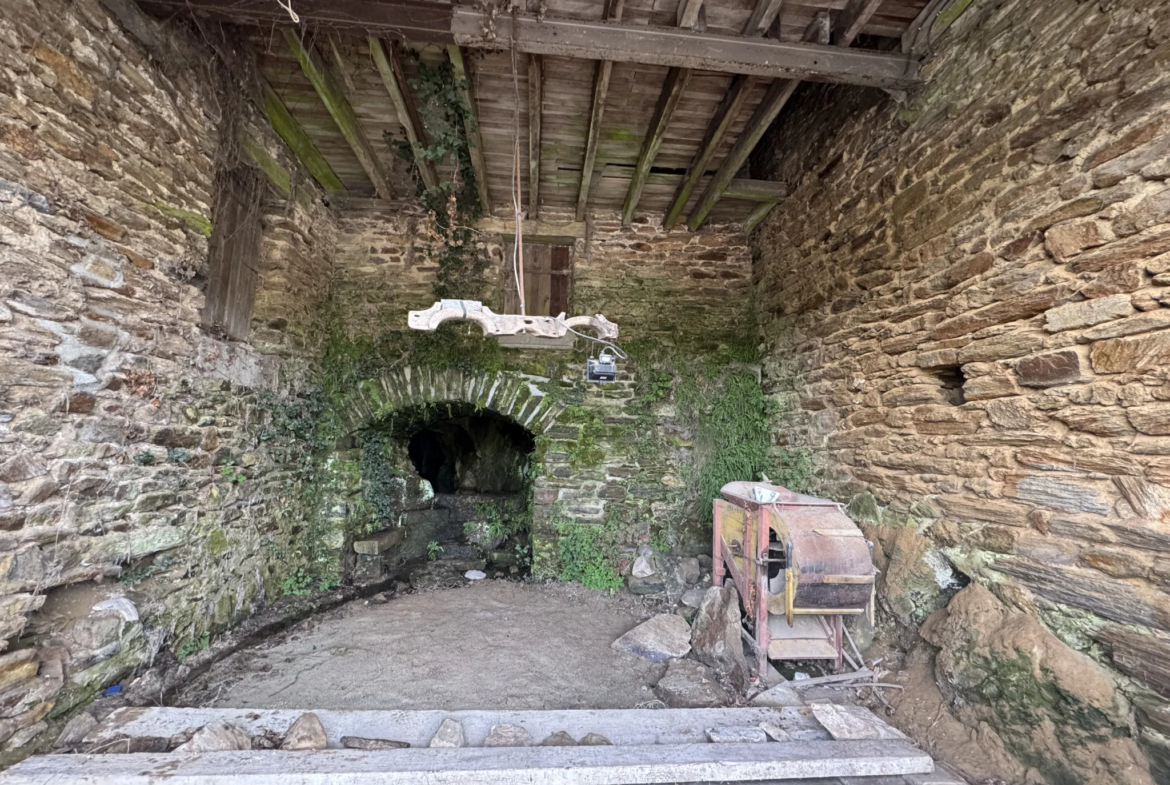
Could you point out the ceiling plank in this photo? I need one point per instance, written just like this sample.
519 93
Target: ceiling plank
413 20
535 106
688 13
756 190
340 109
471 127
390 69
298 141
686 49
852 19
613 12
672 91
778 94
733 101
763 15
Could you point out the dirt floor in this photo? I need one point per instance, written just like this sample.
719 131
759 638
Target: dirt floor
494 644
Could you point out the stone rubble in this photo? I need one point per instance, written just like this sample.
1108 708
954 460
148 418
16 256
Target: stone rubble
450 734
658 639
690 685
716 637
218 736
724 735
505 735
372 745
306 733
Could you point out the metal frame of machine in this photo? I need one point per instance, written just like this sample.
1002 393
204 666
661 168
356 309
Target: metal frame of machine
825 560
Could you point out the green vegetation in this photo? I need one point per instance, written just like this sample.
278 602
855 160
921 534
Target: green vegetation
232 474
588 555
193 645
433 550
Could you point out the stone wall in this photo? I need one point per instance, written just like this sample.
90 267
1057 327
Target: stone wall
139 511
965 308
671 288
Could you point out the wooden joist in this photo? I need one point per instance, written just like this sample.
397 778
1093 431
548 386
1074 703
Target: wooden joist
298 141
757 215
755 190
610 41
688 13
672 91
777 96
390 69
613 12
729 109
763 15
852 19
471 127
340 110
535 106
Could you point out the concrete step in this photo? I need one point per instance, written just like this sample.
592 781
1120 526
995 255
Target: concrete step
612 765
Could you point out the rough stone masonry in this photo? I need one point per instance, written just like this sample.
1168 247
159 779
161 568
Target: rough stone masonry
966 304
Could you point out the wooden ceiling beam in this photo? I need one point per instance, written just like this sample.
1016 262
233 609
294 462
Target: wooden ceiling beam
763 15
340 109
471 127
535 107
613 12
774 100
757 215
413 20
614 42
390 69
733 101
755 190
852 19
672 91
298 141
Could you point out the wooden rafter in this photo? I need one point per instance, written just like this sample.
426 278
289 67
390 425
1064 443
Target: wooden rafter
763 15
852 19
596 112
729 108
298 141
341 111
688 13
669 46
471 127
758 214
390 69
535 107
756 190
672 91
777 96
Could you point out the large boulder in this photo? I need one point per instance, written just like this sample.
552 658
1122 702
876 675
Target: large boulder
657 640
716 638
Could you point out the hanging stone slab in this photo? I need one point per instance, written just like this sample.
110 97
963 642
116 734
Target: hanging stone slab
508 736
748 735
663 637
307 733
450 734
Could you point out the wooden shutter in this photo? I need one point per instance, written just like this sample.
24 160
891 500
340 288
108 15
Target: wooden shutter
548 275
234 253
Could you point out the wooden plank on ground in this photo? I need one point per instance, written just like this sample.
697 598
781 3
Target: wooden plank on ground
390 69
605 765
602 40
471 127
340 109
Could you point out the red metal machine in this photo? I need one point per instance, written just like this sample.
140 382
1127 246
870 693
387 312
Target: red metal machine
800 565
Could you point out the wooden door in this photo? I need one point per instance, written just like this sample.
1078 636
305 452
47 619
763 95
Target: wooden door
548 279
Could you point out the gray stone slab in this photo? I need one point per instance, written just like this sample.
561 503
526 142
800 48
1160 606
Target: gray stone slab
621 726
853 722
606 765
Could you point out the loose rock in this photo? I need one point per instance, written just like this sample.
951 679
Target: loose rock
690 685
780 696
594 740
76 730
361 743
475 575
663 637
559 739
508 736
217 737
693 598
775 732
736 735
716 637
449 734
307 733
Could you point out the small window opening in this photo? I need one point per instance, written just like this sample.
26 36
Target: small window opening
951 379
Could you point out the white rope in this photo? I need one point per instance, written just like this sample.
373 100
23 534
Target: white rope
518 246
287 6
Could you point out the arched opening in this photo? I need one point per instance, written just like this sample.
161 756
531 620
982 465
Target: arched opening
451 486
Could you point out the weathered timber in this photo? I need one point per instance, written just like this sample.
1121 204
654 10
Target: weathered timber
534 230
852 19
763 15
596 112
777 96
414 20
757 215
688 13
729 108
277 174
471 127
340 110
232 253
686 49
297 140
390 69
535 106
1144 657
755 190
672 91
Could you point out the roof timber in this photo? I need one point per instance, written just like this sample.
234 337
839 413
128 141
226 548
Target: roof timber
535 107
471 127
852 19
390 69
763 15
778 94
613 12
672 90
612 42
340 109
297 140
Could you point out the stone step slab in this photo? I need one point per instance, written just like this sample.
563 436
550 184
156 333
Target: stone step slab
622 727
606 765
